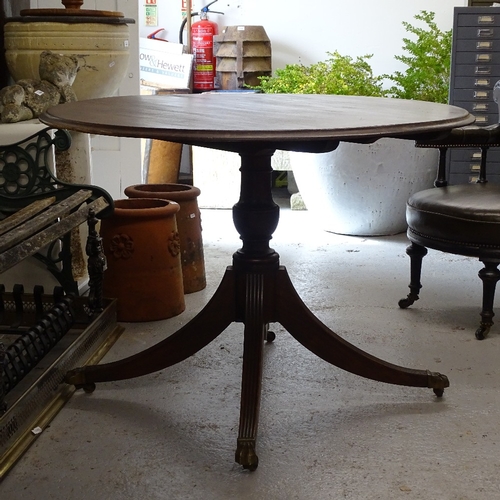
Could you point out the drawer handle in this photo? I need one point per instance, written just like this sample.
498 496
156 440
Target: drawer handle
482 119
485 19
483 70
483 58
485 32
482 106
484 45
481 94
482 82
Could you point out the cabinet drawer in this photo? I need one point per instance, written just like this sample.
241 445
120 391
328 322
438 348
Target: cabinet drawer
476 45
478 33
477 57
485 120
470 95
473 169
481 19
489 70
467 178
478 107
474 82
464 167
473 156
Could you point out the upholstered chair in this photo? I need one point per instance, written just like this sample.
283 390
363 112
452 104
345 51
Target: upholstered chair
459 219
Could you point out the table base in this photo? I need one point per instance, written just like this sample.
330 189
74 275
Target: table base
256 308
255 291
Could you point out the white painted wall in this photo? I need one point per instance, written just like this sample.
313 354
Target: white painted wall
303 31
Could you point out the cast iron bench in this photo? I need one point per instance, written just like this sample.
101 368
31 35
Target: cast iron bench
39 213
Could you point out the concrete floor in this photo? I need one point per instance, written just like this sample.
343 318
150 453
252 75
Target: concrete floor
324 433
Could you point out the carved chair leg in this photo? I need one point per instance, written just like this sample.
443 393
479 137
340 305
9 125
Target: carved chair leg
489 276
416 253
3 404
96 265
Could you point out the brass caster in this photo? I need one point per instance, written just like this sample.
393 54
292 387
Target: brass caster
437 382
482 331
87 388
245 454
76 377
251 467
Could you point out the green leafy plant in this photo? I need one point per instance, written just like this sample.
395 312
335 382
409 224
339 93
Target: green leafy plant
338 74
426 77
428 61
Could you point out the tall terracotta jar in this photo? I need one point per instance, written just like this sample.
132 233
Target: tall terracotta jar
189 226
142 248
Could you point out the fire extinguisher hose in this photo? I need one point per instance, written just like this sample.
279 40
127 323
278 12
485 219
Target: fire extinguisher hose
205 9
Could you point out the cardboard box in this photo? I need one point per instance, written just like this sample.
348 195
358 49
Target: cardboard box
164 65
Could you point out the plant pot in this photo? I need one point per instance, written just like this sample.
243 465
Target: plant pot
188 225
142 248
102 48
362 189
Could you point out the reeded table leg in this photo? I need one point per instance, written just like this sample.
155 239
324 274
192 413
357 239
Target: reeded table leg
256 291
212 320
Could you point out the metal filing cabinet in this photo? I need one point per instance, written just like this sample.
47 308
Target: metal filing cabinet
475 68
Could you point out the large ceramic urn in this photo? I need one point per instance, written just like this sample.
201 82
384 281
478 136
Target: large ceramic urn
99 39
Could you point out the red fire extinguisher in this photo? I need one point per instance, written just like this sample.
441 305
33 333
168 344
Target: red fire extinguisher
202 47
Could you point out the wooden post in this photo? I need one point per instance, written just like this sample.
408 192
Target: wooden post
163 158
188 25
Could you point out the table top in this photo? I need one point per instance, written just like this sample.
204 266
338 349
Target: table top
230 120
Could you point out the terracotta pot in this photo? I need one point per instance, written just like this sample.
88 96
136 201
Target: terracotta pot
142 247
188 224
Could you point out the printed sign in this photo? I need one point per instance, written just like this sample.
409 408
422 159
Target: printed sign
163 65
151 15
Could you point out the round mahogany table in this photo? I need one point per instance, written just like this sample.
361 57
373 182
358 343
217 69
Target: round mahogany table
256 290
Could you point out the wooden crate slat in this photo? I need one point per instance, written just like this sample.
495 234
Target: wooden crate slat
44 219
31 245
24 214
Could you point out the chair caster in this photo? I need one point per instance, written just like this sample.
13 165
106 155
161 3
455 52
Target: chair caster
270 336
439 392
87 388
482 331
407 302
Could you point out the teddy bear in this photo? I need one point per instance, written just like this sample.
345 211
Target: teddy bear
29 98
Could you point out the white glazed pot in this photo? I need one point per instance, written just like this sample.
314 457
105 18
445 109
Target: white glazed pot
362 189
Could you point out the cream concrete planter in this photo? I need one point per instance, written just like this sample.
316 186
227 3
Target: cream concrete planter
103 49
362 189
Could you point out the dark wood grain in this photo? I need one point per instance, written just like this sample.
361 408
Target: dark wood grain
247 117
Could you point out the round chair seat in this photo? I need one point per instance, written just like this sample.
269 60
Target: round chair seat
463 219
